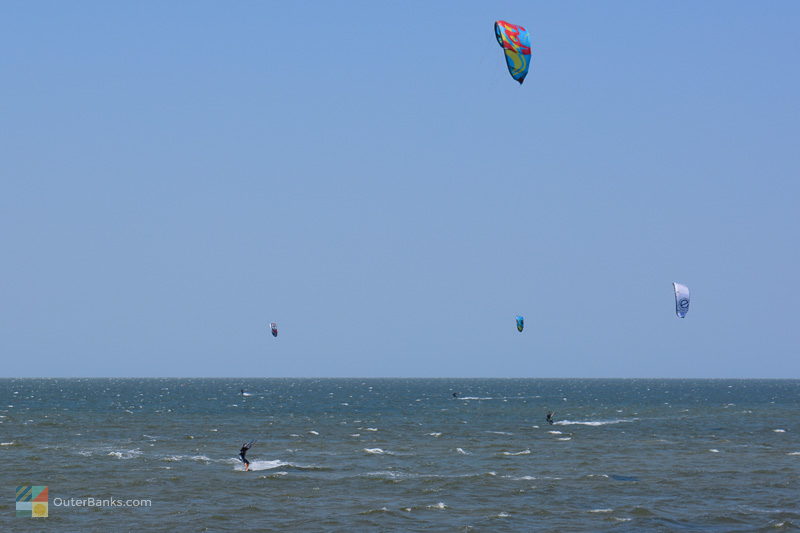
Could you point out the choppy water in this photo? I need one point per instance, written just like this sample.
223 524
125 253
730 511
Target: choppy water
404 455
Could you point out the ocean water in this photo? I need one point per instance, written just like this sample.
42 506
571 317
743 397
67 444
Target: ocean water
404 454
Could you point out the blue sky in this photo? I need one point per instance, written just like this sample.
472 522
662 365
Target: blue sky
174 176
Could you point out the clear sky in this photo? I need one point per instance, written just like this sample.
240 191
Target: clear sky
176 175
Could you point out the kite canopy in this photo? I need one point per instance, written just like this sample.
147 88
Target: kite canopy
517 46
520 323
274 327
681 299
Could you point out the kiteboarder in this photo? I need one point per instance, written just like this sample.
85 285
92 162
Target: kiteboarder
246 446
455 395
550 417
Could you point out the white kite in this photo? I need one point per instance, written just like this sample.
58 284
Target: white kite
681 299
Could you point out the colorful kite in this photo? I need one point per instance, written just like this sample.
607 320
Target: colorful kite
517 46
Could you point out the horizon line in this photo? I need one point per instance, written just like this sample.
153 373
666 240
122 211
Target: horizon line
395 377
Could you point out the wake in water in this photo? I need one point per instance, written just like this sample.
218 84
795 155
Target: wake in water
475 398
593 422
262 464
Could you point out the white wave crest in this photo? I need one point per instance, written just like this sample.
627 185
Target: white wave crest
376 451
176 458
462 452
127 454
274 475
388 474
523 452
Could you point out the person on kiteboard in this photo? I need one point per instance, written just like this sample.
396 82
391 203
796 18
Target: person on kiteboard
246 446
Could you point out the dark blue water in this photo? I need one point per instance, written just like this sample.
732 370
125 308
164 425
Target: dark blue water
404 455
